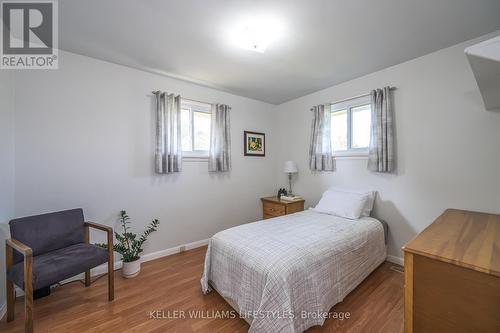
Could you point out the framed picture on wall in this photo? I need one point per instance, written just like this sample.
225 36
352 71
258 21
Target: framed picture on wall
254 143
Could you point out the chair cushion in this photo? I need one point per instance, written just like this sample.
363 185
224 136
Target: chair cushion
48 232
55 266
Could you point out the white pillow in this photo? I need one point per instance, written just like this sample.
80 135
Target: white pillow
343 204
369 202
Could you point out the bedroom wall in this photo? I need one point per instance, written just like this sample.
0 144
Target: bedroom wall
85 138
6 169
448 145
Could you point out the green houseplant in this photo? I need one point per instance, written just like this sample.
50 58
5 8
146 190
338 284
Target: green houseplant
130 245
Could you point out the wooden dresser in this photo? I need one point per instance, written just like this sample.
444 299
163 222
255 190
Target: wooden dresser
273 207
452 275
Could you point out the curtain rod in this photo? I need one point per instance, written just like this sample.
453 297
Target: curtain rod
186 98
359 96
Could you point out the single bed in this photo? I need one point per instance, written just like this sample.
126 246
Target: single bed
284 274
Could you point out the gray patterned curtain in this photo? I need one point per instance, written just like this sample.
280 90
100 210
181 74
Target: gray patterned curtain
381 152
219 159
168 155
320 151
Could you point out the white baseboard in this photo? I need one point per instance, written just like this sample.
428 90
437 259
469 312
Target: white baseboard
173 250
395 260
102 269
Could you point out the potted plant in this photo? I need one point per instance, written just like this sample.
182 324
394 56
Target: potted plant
130 246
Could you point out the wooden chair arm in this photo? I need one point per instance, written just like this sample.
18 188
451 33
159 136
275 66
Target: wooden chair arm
11 245
102 227
99 227
24 249
111 276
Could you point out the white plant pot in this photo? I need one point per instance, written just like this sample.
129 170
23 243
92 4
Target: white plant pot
131 269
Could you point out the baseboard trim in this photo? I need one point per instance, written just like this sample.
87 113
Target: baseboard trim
395 260
148 257
102 269
173 250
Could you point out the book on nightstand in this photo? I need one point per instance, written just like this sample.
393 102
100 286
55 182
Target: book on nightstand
291 197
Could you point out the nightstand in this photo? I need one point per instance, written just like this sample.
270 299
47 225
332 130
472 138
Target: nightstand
273 207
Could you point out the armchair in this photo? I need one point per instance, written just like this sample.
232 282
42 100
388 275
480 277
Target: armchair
45 249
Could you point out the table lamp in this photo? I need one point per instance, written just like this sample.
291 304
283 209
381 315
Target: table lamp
290 169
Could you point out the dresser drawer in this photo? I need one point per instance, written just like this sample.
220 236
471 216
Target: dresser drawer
274 209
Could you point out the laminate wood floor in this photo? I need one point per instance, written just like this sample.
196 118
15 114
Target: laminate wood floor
172 283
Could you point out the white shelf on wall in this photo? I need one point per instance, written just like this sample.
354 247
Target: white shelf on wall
484 59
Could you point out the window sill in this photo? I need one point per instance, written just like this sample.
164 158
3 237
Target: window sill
195 158
344 158
352 155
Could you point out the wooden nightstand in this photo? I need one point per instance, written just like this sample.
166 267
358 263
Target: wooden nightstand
272 207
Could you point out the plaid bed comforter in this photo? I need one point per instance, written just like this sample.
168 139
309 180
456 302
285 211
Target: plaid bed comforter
284 274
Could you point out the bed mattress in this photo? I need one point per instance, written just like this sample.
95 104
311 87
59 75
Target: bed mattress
285 274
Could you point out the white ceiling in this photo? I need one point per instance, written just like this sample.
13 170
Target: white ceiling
325 42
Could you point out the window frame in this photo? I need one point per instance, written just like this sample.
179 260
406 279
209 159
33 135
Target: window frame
195 106
349 105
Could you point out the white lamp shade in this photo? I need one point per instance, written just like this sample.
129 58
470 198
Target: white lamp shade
290 167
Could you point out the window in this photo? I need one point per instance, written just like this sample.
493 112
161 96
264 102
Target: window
195 128
351 121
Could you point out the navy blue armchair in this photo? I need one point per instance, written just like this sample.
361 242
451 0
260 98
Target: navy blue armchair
50 248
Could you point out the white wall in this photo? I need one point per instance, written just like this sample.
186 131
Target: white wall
448 145
6 147
6 167
85 138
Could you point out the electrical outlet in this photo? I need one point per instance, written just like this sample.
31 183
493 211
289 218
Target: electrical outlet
182 248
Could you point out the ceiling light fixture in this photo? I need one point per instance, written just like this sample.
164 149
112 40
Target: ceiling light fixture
256 34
